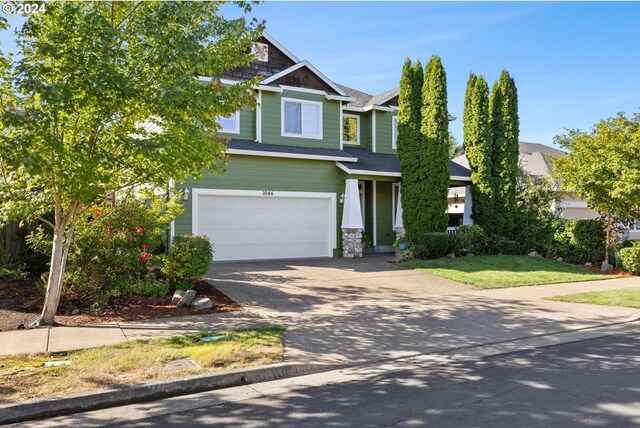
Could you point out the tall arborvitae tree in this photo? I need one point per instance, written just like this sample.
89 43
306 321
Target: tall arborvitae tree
409 144
435 131
478 147
504 125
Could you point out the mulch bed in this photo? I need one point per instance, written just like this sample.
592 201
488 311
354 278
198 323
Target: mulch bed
21 303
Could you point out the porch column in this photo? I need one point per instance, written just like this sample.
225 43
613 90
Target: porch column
351 221
399 225
468 204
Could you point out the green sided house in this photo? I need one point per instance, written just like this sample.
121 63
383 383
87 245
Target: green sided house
310 171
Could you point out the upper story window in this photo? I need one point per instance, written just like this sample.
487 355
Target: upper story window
394 132
230 124
351 129
301 118
262 49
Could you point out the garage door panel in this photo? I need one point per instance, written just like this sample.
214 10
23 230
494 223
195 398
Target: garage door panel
256 227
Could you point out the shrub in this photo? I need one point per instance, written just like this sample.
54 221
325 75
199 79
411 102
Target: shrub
420 251
188 260
579 241
467 239
630 258
508 246
437 244
12 273
113 252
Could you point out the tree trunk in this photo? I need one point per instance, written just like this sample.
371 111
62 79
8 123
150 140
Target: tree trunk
60 250
54 283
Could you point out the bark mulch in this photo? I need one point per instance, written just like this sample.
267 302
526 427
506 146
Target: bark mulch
21 303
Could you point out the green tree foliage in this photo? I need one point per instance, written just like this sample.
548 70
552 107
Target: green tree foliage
478 147
104 98
435 131
603 165
410 144
505 130
533 214
455 148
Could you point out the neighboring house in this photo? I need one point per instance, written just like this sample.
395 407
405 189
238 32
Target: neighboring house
309 170
538 159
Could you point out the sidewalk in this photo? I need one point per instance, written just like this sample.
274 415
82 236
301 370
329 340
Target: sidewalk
59 339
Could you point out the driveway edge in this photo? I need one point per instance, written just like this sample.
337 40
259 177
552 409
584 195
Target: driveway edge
95 400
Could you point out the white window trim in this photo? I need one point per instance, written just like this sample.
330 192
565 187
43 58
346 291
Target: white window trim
263 55
302 135
237 130
394 132
362 192
357 118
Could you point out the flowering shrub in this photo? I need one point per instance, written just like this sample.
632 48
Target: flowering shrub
114 252
188 260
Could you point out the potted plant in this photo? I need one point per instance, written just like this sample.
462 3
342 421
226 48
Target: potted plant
400 245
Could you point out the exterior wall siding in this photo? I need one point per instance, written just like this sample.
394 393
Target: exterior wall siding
383 132
384 213
272 125
263 173
247 126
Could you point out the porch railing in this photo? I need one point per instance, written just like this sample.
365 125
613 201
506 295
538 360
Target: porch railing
452 230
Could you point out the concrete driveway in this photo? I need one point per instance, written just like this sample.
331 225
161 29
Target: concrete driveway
338 310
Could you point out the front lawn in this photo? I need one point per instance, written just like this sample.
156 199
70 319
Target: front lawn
504 271
625 297
25 377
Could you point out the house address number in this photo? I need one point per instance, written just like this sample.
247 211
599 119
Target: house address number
267 193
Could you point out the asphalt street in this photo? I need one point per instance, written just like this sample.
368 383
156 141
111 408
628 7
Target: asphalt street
592 383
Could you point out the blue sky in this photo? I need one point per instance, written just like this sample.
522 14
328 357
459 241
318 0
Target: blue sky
573 63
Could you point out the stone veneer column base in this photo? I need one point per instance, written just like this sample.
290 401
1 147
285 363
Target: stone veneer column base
351 243
399 233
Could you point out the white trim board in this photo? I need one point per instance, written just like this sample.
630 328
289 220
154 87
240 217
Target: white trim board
333 219
364 172
289 155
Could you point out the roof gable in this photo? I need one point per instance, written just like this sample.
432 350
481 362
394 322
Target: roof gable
304 75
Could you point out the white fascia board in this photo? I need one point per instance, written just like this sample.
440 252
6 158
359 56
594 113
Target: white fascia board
452 118
268 88
284 50
307 64
364 172
305 90
339 98
290 155
459 178
376 107
356 109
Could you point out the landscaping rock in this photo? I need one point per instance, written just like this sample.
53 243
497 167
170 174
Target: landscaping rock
181 364
204 303
451 255
606 267
177 296
559 259
470 254
588 264
187 299
75 312
533 254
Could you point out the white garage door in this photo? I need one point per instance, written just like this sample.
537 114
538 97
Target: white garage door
252 225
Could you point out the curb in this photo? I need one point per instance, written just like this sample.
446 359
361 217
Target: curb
65 405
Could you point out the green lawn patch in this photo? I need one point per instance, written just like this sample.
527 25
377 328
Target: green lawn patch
504 271
24 377
625 297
